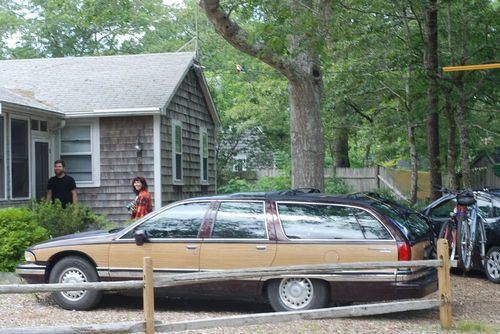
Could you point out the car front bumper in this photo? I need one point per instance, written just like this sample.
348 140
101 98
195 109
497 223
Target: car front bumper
31 273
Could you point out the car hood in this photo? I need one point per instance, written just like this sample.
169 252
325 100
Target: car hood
84 238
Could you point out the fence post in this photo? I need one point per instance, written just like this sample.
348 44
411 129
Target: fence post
444 282
148 295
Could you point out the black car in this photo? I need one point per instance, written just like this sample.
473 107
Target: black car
489 206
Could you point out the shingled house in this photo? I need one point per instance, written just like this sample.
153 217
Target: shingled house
111 119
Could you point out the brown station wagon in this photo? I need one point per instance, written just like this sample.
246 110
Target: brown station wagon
251 230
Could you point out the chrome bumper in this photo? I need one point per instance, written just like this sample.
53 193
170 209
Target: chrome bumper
32 273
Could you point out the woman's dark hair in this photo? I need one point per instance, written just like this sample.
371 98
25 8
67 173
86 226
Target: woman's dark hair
143 181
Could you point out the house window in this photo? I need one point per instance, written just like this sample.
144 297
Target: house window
76 151
20 160
204 155
80 151
37 125
177 150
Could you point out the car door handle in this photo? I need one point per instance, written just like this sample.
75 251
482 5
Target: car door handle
191 247
261 247
381 250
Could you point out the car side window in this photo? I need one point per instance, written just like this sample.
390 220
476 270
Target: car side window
371 226
181 221
496 209
240 220
484 207
315 221
444 209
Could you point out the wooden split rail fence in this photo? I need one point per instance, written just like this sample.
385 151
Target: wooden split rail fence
149 283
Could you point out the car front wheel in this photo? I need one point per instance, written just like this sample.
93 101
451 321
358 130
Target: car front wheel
492 264
75 270
297 294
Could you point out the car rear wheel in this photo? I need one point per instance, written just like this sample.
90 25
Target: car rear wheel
448 232
75 270
492 264
297 294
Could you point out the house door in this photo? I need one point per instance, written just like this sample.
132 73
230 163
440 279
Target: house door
41 168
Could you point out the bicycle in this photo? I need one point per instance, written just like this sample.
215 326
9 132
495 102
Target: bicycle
465 229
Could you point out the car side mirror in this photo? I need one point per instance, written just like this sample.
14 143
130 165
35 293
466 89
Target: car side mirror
140 237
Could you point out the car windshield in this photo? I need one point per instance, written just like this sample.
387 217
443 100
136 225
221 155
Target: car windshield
411 223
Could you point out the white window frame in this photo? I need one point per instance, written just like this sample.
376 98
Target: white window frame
176 123
95 153
28 120
5 169
203 131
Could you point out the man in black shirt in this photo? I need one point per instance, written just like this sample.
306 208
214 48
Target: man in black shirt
61 186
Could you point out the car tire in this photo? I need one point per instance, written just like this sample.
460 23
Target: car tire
492 264
74 269
297 294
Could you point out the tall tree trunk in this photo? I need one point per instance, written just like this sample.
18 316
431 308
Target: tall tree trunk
463 136
306 134
411 138
451 137
451 144
461 118
305 85
366 160
431 64
340 139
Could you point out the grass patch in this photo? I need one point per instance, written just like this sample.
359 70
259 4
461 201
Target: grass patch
476 327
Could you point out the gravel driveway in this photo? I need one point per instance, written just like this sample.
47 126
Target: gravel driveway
475 300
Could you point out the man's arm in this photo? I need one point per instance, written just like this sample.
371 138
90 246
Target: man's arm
74 196
48 197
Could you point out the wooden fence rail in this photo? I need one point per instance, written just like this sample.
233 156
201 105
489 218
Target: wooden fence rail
148 283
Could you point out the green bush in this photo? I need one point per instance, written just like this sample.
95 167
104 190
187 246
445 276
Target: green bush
18 230
72 219
270 183
334 185
234 186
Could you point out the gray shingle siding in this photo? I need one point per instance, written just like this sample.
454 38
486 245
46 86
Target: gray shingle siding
120 164
189 107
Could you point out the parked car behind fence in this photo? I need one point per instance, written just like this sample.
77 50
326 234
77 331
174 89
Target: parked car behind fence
251 230
489 205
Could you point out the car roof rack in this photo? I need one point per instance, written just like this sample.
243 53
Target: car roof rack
298 191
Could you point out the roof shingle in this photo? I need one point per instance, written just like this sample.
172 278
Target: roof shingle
85 84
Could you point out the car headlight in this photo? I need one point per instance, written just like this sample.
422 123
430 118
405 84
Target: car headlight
29 256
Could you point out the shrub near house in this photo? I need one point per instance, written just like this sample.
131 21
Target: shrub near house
22 227
18 230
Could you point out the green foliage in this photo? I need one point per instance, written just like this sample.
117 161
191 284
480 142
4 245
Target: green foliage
18 230
72 219
496 169
270 183
334 185
234 186
267 183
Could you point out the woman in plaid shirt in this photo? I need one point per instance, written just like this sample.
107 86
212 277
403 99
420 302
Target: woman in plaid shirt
142 204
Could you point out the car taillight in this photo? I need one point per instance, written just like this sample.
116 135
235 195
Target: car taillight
404 251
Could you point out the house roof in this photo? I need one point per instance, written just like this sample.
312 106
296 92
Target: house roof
97 86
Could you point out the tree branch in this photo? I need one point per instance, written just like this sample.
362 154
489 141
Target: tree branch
238 37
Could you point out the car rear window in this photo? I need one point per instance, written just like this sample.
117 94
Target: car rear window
412 225
320 221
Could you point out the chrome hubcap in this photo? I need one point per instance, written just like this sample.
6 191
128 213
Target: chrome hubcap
493 265
296 293
73 275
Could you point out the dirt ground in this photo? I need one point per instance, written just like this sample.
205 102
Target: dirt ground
475 308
